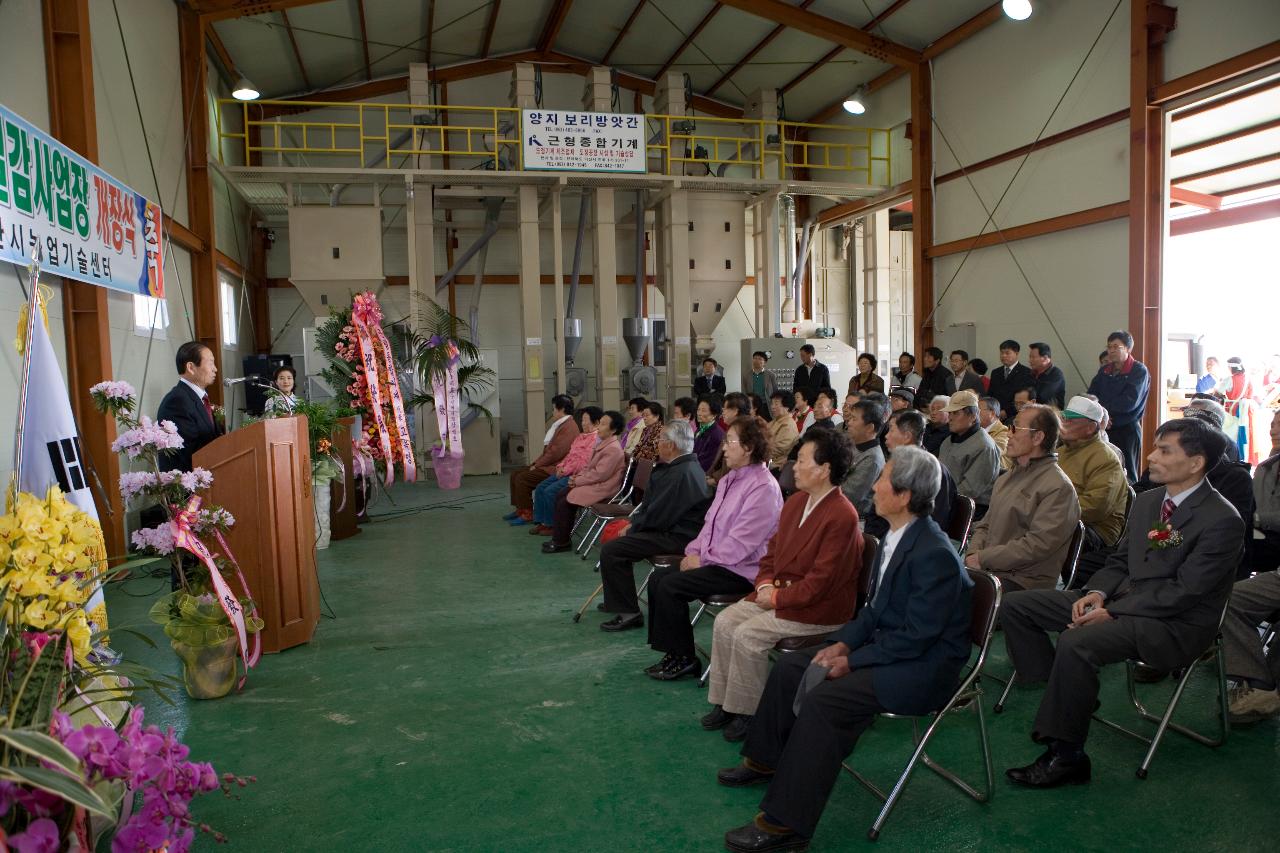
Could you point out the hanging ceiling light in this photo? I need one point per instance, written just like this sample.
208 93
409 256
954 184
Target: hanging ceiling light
855 102
245 91
1019 10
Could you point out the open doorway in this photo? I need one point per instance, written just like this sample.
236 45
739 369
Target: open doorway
1222 259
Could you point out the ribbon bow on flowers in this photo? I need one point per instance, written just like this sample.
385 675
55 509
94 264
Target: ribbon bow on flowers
185 537
365 308
451 348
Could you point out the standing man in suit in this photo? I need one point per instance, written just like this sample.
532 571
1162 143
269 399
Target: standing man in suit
1156 600
188 405
1048 385
1010 376
962 378
933 379
903 653
1121 386
709 382
811 373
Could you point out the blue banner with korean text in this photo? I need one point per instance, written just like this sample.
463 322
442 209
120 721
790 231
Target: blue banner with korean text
576 141
76 219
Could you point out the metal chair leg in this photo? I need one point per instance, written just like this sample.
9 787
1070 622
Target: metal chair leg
577 617
593 533
644 586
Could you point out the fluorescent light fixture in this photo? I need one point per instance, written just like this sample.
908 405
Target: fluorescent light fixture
245 91
1019 10
854 103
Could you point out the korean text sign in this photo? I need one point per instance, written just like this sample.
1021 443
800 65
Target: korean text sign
583 142
78 220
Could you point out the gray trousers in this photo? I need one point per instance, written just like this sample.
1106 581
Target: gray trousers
1253 602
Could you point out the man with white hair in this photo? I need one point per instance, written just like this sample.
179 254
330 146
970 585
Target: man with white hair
969 453
938 429
670 515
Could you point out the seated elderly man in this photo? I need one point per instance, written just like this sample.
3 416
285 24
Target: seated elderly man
1156 600
903 654
807 584
1266 491
555 444
725 556
939 428
598 481
782 430
906 429
669 516
1096 473
823 411
544 496
862 424
969 453
989 415
1024 539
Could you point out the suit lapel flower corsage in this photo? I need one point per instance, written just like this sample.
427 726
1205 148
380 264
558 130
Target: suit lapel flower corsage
1162 535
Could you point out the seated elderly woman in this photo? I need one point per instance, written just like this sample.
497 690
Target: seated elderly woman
598 481
544 496
735 405
725 555
707 434
561 432
782 429
651 415
807 584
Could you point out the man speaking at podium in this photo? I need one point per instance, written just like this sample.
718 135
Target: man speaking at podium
188 405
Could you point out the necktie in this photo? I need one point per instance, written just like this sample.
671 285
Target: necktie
1166 510
208 409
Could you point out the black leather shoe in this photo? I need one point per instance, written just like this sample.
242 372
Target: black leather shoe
742 776
717 719
1050 771
737 728
555 548
752 839
678 668
623 623
660 665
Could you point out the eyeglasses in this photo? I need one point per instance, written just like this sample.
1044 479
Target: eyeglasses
732 441
1014 428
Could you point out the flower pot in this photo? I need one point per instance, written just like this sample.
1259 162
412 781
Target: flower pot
320 492
449 470
209 672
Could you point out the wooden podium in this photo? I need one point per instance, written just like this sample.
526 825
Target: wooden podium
262 476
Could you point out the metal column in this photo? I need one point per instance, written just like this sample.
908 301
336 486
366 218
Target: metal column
674 216
533 357
420 219
877 272
596 96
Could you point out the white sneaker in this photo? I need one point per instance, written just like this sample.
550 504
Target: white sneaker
1249 705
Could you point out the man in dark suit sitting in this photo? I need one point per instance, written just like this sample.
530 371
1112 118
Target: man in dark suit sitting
903 653
188 405
1158 599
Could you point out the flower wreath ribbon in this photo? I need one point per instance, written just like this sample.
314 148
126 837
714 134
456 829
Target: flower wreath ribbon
184 537
365 317
448 395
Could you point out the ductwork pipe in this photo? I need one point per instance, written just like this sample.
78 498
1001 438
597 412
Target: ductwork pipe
583 207
790 305
490 229
806 249
640 276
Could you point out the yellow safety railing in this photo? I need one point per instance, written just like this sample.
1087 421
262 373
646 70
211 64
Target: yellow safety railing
490 137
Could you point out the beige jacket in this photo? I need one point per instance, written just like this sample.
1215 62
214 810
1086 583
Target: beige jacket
1100 483
1025 534
782 437
1000 435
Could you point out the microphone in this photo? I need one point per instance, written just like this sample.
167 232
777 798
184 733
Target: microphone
230 382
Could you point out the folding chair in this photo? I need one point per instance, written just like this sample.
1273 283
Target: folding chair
655 563
615 507
961 521
714 603
624 491
870 547
1163 721
787 478
968 697
1067 575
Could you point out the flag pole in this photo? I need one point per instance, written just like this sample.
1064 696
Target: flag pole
33 311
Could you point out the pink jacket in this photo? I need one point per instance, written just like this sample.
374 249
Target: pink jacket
601 477
579 453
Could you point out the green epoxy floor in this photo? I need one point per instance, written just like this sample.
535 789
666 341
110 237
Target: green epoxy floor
454 706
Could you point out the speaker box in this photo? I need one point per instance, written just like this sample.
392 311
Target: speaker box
516 446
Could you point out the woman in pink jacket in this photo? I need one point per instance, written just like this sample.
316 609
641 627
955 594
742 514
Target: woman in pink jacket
596 482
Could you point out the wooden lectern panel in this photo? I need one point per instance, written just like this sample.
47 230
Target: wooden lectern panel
342 491
262 475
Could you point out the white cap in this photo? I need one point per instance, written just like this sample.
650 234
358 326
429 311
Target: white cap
1083 407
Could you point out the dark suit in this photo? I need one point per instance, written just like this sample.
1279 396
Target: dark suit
933 383
1003 388
816 376
704 386
908 648
1050 387
970 381
1165 605
184 407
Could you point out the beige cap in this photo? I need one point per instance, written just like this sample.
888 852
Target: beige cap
965 399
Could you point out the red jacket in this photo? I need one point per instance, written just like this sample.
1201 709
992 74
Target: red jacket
817 565
561 441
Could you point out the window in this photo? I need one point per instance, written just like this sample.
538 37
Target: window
230 334
150 314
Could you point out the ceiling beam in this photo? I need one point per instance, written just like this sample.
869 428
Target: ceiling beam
1260 160
622 33
1205 200
297 54
1206 78
1242 133
220 10
751 54
967 30
829 29
850 209
1273 183
832 54
555 20
488 28
364 40
688 40
224 56
647 86
1242 215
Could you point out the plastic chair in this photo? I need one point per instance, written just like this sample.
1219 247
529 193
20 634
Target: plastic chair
1068 574
1163 721
961 521
870 547
984 609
